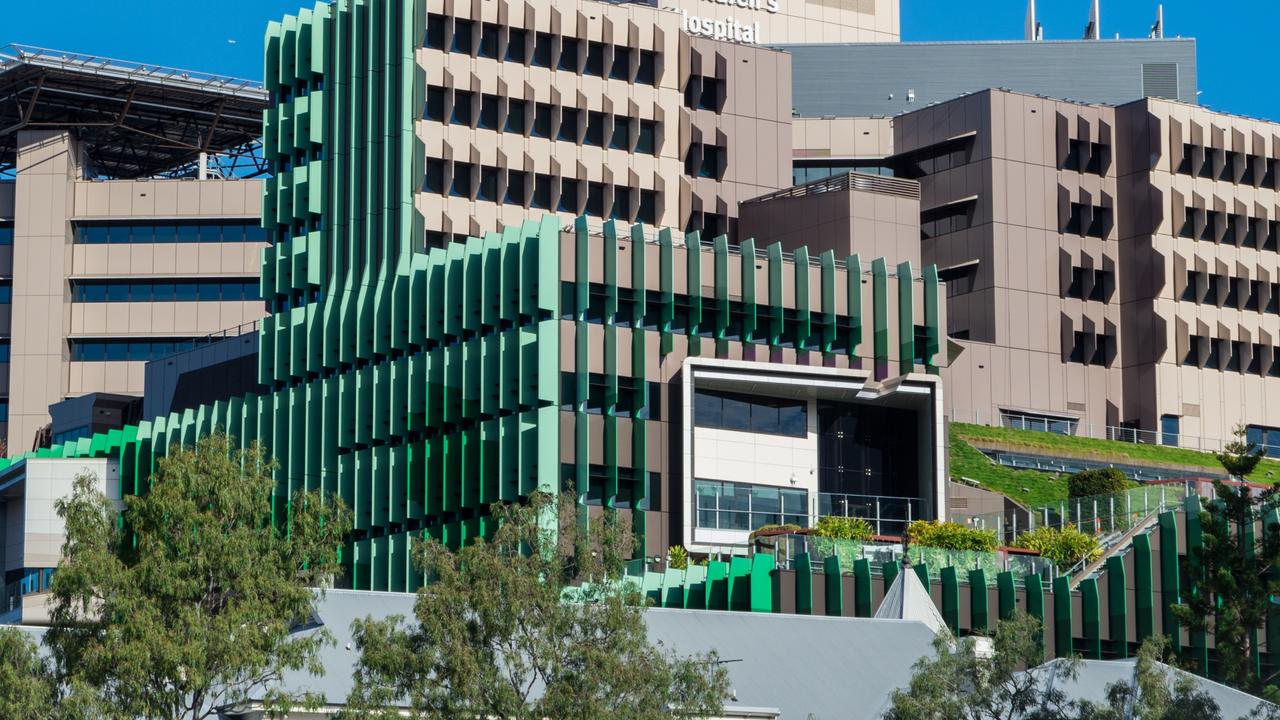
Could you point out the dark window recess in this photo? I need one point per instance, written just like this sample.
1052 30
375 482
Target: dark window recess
1267 438
1192 357
1237 353
595 199
516 112
1211 290
434 182
568 125
949 218
1076 288
489 34
542 120
647 141
1184 167
489 112
462 110
1090 348
117 350
1210 231
595 129
1190 293
1214 360
648 211
568 196
569 51
488 189
1188 229
1099 159
1253 302
621 203
1072 160
461 180
1232 299
95 233
543 50
1255 359
620 68
463 36
517 46
711 161
1075 220
620 139
595 60
1100 223
515 187
541 192
435 104
1103 283
436 25
744 413
647 73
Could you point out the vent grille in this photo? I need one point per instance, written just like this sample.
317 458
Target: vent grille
1160 80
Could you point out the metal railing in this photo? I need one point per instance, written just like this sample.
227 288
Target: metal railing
787 548
1099 515
888 515
126 70
851 180
1078 428
237 331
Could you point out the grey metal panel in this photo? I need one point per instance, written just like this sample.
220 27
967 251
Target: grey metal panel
868 79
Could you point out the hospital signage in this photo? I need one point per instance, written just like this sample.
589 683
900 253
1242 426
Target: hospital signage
729 27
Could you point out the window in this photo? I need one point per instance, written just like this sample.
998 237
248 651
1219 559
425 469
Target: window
515 187
621 203
1099 223
1192 357
517 46
1255 359
704 93
434 182
1267 438
729 411
1102 284
515 116
488 112
435 104
463 40
595 59
489 41
543 49
1210 231
436 25
595 129
738 506
6 234
595 199
1041 423
1191 293
1076 288
569 51
647 141
648 211
568 196
461 180
462 108
1099 159
620 69
1090 349
169 232
1188 229
1074 151
542 120
708 164
488 189
541 193
568 125
621 137
119 350
647 73
6 291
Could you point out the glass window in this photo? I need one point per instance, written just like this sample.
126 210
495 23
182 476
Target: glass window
793 420
434 182
738 506
595 59
620 69
163 292
737 414
141 292
541 193
710 166
462 108
515 116
621 136
569 54
116 351
92 234
568 125
595 129
4 351
117 292
488 41
488 189
764 418
185 292
463 40
515 187
435 31
648 138
121 234
210 233
210 291
6 234
517 46
188 233
542 120
647 73
488 112
595 199
435 104
707 410
543 49
568 196
461 180
621 203
648 211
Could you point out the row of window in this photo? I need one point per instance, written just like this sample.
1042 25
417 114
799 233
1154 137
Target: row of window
169 231
1091 348
1230 229
1087 157
949 218
1229 356
1238 168
1267 438
538 49
704 93
132 350
1091 284
705 160
235 290
540 192
1088 220
542 120
1236 289
749 413
739 506
628 402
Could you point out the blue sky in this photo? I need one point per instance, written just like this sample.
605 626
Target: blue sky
1236 38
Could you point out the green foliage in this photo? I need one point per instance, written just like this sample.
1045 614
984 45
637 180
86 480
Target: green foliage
1096 481
1235 579
1240 456
950 536
30 687
1032 488
1064 546
677 557
841 528
496 640
184 603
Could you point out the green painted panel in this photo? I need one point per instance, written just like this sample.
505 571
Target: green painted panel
804 584
717 585
951 598
853 302
827 261
666 289
979 608
1143 588
720 249
906 326
748 252
693 282
1007 594
762 574
880 317
1062 633
833 592
1199 643
1117 607
862 588
695 583
1091 619
1170 592
776 315
804 320
739 585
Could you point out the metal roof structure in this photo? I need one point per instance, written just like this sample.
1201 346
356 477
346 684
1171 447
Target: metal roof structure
132 120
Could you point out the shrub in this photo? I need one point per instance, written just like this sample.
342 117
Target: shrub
842 528
1065 546
1098 481
950 536
789 527
677 557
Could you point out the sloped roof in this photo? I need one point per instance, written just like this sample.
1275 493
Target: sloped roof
1093 677
908 599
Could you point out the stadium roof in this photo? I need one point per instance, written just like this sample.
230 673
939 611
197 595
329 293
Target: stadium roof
132 120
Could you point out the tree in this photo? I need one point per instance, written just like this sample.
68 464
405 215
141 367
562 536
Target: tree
1154 694
502 631
30 689
1240 456
1234 579
183 603
1096 481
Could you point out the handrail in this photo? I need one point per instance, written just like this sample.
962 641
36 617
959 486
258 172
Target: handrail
124 69
869 182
